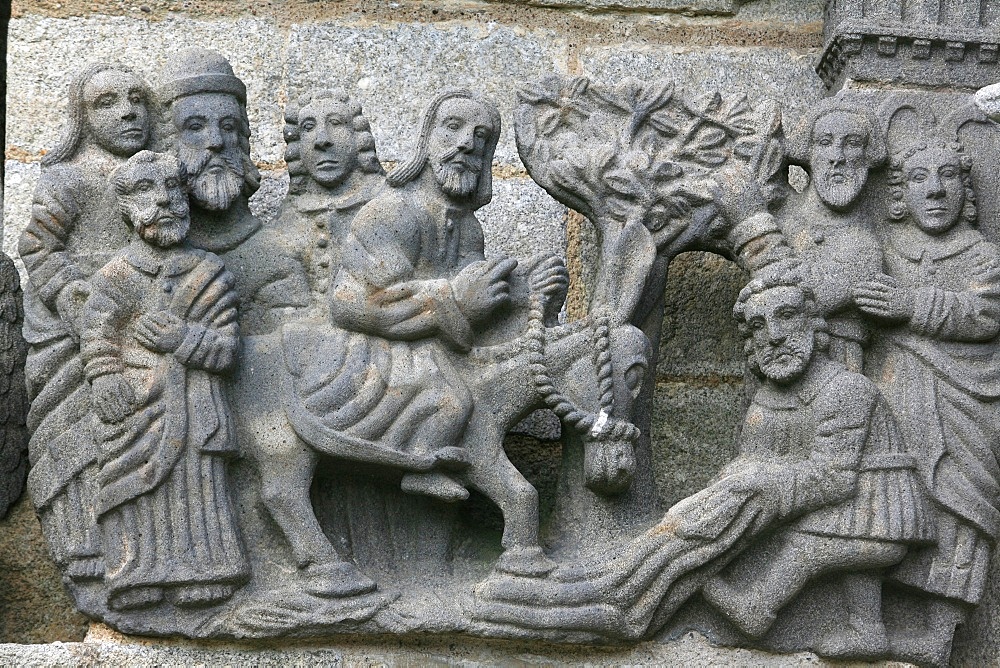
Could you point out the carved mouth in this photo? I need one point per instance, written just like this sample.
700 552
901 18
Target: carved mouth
328 164
132 133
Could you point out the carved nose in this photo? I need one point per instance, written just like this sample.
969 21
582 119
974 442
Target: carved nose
936 190
215 141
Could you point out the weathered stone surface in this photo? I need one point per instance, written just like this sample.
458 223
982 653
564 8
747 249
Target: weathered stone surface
47 52
716 7
699 340
391 68
34 606
523 220
758 73
692 650
694 434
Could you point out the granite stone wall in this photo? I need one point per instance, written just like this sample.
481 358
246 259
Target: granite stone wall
393 56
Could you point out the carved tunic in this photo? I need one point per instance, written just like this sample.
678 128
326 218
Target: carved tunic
75 228
164 500
941 375
839 456
394 290
314 226
841 253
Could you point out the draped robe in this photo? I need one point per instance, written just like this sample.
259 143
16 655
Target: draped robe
164 502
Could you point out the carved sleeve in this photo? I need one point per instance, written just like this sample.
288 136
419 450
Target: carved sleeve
43 244
970 315
843 415
105 317
212 342
376 292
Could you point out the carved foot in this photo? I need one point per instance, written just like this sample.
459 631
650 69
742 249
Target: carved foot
135 598
86 568
860 644
451 459
921 649
437 485
740 607
336 579
200 596
528 562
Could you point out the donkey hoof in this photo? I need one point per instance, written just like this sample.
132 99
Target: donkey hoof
437 485
529 562
336 580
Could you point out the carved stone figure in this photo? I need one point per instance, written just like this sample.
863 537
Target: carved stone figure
157 331
334 171
13 393
207 129
828 226
939 303
75 228
823 437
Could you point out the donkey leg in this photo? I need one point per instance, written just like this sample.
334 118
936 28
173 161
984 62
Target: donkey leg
493 475
286 479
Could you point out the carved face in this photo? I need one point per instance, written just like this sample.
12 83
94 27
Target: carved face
157 205
462 129
209 146
329 152
935 191
782 334
115 112
837 158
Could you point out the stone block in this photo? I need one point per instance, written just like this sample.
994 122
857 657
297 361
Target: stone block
717 7
394 70
523 220
699 337
19 187
693 434
44 53
759 73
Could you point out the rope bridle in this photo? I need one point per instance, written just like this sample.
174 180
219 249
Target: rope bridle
600 426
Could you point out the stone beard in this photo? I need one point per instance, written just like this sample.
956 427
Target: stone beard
457 173
215 180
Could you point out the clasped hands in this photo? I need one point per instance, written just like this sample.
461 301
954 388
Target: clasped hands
884 298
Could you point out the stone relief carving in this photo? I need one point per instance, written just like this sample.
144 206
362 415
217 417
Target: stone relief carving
13 350
246 428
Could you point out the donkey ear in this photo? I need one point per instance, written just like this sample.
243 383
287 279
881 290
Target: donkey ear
627 261
903 119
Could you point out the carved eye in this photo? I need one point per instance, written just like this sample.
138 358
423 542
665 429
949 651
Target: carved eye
308 125
482 133
106 100
856 141
948 172
172 183
228 125
786 313
756 324
194 126
825 140
144 186
135 97
633 377
918 176
453 125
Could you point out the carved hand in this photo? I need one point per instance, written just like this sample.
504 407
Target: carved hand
482 286
884 298
112 397
69 304
161 332
738 195
550 277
